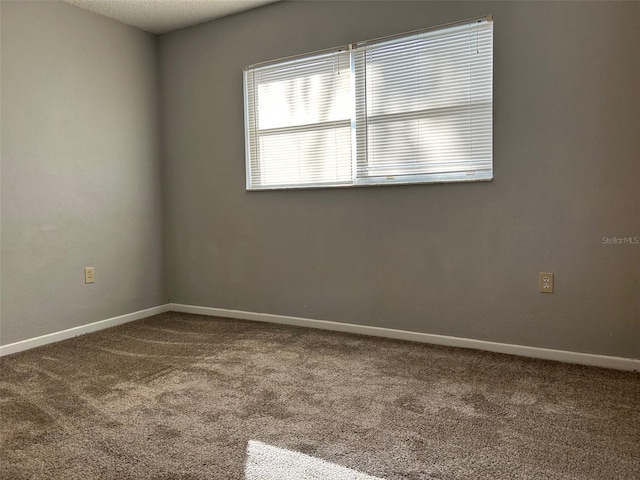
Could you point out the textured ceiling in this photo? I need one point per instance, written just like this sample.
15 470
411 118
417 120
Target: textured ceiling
162 16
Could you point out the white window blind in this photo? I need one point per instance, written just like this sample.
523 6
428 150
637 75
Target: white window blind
299 122
409 109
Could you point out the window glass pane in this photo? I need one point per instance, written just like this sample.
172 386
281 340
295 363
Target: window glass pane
419 145
427 105
423 73
299 122
303 94
320 156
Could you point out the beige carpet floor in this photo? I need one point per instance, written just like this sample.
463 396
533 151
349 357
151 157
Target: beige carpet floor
180 396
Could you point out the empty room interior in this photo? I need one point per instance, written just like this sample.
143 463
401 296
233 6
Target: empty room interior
320 240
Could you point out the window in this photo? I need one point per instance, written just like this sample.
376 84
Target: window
413 108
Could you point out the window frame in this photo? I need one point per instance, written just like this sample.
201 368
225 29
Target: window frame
358 151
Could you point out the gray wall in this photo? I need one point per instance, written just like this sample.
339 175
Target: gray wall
458 259
81 169
82 180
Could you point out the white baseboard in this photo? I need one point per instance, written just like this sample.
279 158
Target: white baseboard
618 363
81 330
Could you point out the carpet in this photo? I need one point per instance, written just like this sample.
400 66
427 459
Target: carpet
179 396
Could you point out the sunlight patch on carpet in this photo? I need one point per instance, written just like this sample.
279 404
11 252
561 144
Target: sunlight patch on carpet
266 462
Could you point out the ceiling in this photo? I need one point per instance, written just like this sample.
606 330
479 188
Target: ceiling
162 16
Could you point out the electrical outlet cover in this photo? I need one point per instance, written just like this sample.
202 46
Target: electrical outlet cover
545 282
